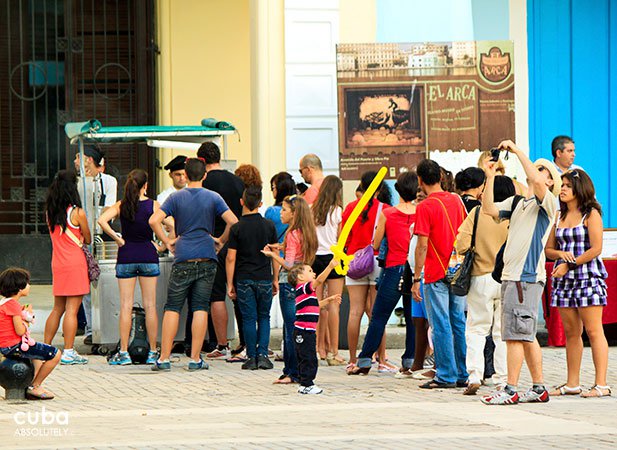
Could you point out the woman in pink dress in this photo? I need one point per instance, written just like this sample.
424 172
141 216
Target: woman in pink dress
67 223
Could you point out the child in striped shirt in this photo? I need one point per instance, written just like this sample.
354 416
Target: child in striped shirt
307 314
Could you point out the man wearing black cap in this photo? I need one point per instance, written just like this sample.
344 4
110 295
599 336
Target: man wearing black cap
177 175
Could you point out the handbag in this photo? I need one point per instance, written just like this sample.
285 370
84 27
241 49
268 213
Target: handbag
462 278
363 262
94 271
455 259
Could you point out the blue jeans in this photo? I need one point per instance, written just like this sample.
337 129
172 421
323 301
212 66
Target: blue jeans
287 300
446 314
410 333
387 298
255 300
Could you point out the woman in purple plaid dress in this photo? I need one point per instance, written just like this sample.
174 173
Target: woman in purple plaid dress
579 289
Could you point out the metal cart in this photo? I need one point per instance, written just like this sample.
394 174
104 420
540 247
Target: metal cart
105 293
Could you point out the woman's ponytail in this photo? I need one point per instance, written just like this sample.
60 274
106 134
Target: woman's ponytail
135 182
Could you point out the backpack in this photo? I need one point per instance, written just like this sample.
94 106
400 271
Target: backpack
138 338
498 270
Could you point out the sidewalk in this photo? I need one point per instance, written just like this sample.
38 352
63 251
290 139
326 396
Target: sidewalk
103 407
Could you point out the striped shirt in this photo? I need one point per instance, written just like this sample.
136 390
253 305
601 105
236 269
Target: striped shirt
307 307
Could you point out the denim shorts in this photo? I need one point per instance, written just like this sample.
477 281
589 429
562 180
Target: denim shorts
194 279
39 350
133 270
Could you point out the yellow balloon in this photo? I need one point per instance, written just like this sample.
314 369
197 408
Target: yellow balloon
338 249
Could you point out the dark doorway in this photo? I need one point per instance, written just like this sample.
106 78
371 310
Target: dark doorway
65 61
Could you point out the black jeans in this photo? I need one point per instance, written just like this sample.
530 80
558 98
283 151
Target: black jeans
306 351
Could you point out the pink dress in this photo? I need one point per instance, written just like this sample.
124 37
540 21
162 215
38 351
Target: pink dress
68 262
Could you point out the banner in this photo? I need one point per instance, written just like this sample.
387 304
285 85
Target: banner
397 102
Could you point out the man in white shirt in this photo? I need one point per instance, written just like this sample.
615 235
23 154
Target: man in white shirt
101 193
177 175
563 149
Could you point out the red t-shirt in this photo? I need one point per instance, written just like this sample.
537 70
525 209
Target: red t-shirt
431 221
8 336
398 236
361 233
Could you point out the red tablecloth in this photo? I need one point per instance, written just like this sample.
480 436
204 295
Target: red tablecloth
556 336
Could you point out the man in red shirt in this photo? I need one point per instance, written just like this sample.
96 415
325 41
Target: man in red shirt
437 221
312 172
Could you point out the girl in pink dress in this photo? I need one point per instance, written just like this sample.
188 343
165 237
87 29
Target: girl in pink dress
68 262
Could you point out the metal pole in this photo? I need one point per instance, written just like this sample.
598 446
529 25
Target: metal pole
82 173
224 147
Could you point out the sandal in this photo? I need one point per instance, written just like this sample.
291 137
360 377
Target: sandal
283 379
239 349
597 391
564 389
355 370
433 384
333 360
38 393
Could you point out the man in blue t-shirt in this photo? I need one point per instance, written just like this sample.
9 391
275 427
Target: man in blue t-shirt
194 210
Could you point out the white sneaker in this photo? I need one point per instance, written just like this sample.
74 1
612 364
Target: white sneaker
310 390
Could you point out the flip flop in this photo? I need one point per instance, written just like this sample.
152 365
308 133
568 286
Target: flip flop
283 380
236 359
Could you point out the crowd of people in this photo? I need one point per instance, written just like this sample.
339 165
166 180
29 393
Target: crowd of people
223 247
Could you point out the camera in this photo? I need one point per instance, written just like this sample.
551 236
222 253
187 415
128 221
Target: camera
495 154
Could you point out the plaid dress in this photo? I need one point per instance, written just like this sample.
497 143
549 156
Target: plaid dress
585 285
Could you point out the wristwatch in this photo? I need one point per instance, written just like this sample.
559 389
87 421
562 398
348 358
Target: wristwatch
417 280
571 265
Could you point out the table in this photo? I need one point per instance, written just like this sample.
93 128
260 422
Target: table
556 336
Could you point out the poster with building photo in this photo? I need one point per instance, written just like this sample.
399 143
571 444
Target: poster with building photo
398 102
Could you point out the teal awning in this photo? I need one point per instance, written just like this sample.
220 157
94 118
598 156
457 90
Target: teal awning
93 131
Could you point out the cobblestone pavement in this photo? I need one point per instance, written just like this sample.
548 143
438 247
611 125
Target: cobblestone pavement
103 407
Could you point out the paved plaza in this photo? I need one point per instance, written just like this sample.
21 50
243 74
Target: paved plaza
104 407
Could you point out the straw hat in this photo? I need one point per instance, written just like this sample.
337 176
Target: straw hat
555 175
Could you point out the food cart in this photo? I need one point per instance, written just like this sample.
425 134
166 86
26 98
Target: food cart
104 293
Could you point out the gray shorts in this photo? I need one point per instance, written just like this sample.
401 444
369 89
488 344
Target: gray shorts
519 311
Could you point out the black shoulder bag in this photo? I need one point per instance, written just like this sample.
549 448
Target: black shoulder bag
462 277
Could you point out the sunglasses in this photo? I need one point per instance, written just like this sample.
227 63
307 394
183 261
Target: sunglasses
574 173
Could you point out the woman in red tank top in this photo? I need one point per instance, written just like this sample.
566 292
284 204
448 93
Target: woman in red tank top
394 224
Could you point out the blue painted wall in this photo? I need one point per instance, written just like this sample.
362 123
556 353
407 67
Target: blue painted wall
573 86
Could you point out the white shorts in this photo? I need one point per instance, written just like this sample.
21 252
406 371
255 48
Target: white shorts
370 279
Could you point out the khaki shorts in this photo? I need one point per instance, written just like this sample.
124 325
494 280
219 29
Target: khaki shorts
519 311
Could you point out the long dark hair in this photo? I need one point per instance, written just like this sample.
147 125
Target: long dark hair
285 186
584 192
128 206
61 194
365 181
330 197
